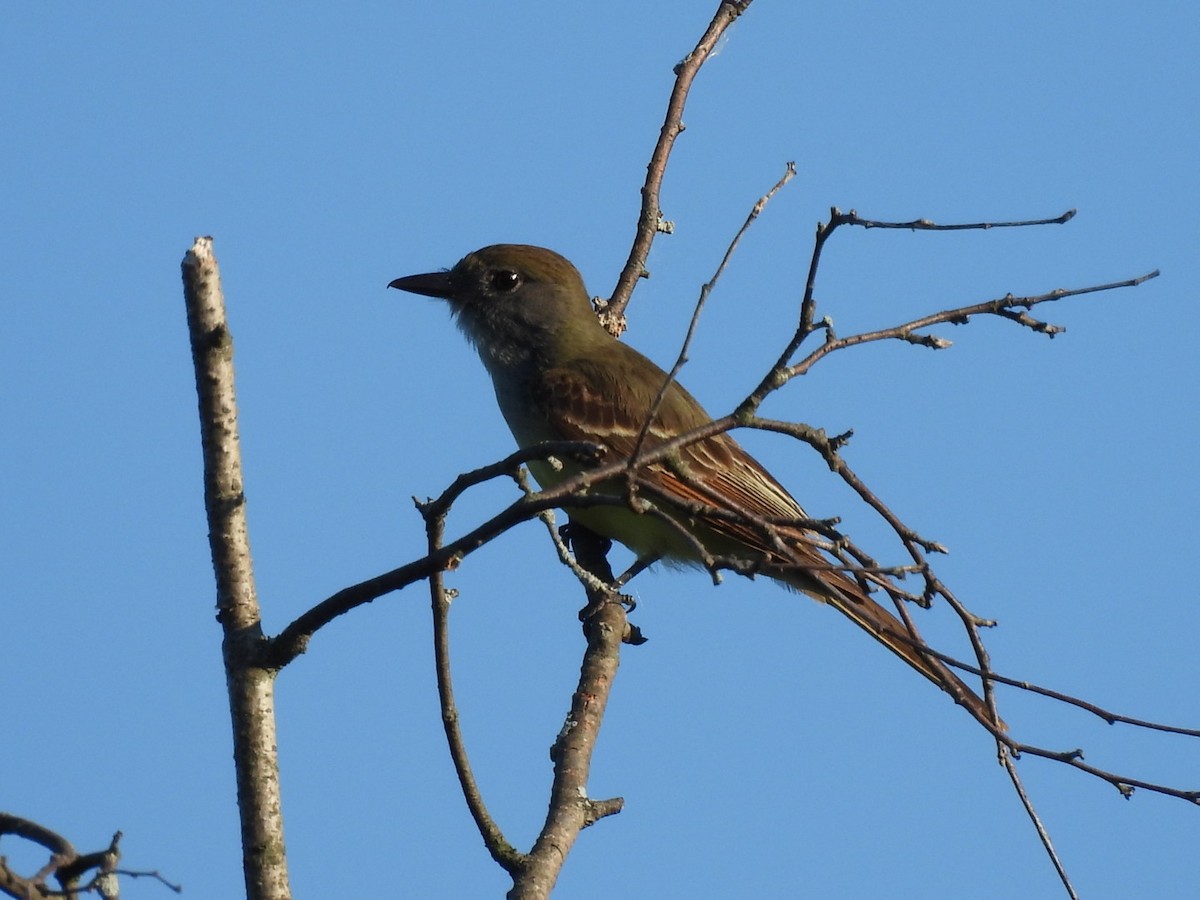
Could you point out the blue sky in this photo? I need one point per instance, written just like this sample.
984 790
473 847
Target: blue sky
764 747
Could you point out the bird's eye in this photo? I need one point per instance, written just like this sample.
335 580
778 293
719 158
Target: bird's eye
504 280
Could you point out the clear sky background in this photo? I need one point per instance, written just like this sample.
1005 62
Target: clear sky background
764 746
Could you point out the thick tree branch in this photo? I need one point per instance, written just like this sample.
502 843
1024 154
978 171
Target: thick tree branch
571 809
251 686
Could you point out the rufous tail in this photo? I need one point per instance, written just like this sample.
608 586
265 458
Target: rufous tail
849 599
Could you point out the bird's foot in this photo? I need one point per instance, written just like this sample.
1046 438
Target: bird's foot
599 600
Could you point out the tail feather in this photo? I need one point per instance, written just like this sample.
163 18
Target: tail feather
886 628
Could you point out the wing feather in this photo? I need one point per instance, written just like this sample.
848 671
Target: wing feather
583 401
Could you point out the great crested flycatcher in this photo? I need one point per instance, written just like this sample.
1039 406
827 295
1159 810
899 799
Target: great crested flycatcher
560 376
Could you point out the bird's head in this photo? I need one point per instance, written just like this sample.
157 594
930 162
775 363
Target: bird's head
514 302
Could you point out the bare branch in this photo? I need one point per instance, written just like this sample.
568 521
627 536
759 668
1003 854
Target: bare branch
586 578
509 858
1124 785
705 292
612 311
251 687
293 640
571 809
1008 307
510 466
852 218
66 865
155 874
1112 718
1006 760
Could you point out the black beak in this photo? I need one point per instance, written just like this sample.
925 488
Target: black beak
434 284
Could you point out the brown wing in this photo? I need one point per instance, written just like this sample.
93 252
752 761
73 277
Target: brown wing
584 402
606 401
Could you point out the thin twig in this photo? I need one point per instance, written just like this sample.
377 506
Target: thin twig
1112 718
612 311
1006 307
588 453
155 874
1043 835
1124 785
508 857
705 291
852 218
586 578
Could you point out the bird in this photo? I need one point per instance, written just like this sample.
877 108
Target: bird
560 375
